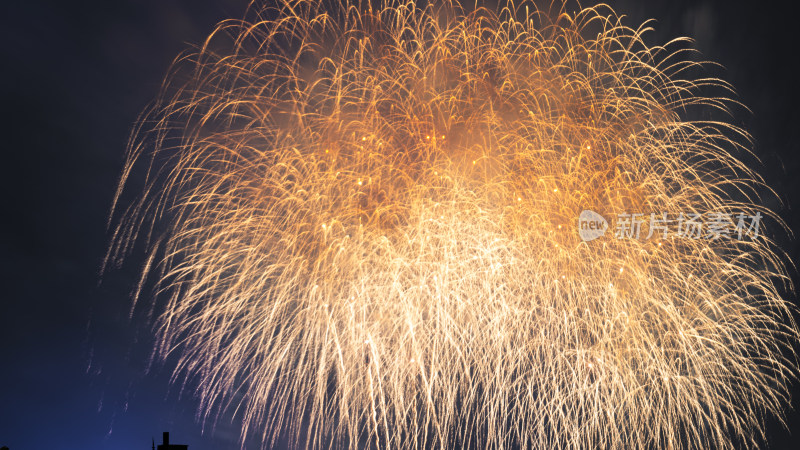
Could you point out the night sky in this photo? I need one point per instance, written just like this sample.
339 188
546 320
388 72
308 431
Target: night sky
74 367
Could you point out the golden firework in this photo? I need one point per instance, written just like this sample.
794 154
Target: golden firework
362 221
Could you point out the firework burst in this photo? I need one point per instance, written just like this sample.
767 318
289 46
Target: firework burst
362 222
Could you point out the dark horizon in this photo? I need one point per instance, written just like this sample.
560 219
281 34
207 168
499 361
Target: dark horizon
76 370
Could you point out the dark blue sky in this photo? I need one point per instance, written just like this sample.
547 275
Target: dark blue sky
73 366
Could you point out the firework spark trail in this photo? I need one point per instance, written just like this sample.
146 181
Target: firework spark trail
362 222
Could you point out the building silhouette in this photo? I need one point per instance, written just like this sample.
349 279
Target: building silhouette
167 446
